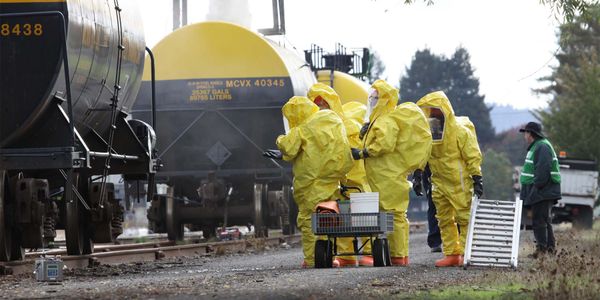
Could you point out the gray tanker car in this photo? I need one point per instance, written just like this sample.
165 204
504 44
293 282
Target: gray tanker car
70 72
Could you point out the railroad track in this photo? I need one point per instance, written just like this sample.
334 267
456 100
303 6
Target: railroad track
122 244
144 252
155 237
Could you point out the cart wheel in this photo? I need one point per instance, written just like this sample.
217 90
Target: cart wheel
323 254
386 252
378 253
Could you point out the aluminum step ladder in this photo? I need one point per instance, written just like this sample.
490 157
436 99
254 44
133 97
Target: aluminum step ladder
494 230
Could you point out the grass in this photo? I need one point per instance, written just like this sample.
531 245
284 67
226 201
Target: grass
573 273
503 291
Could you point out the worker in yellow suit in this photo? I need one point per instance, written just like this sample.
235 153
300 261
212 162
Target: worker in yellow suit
327 99
397 142
318 149
355 112
455 164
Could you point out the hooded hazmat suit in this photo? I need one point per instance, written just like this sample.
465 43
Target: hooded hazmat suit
357 176
318 149
455 159
397 142
355 114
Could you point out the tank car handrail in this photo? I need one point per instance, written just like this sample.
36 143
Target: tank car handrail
115 156
153 78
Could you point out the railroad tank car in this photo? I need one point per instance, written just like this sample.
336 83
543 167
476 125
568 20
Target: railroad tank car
348 87
70 72
220 89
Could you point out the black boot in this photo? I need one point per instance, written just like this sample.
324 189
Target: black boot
539 251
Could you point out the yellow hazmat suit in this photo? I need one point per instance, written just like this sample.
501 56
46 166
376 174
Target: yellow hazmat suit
357 176
355 112
318 149
398 142
455 158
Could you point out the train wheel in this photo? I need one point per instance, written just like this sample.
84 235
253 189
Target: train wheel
260 194
174 226
73 231
209 232
76 230
5 231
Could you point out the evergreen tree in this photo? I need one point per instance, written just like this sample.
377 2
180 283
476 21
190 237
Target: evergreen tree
429 72
498 173
571 121
376 66
512 144
566 8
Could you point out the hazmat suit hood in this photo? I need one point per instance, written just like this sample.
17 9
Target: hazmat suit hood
333 100
438 105
414 137
466 122
329 95
355 111
388 99
298 109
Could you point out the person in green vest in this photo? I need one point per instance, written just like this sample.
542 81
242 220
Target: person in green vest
540 186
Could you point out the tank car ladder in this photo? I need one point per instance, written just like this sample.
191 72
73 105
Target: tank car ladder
494 231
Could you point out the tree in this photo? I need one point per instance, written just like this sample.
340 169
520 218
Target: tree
498 173
512 144
376 66
455 76
567 8
571 121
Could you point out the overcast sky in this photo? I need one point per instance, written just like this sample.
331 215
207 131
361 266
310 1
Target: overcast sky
511 42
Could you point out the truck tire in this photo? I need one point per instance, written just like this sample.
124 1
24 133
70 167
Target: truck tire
585 218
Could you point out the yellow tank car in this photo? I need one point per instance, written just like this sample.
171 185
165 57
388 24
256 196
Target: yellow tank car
220 88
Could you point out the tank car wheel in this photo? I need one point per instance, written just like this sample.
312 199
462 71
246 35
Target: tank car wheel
260 224
6 237
77 233
174 226
209 232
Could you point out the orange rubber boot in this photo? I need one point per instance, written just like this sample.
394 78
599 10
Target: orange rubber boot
448 261
366 261
400 261
345 262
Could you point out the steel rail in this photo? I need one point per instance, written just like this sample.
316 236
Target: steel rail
149 252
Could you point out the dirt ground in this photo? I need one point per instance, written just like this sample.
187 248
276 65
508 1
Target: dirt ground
275 274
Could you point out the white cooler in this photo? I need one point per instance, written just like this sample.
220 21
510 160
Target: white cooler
363 203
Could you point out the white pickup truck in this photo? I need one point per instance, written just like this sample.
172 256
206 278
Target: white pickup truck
579 188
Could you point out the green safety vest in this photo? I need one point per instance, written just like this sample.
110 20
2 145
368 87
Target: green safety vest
528 170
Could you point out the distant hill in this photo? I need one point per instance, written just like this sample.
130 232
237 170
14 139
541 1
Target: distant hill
507 117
